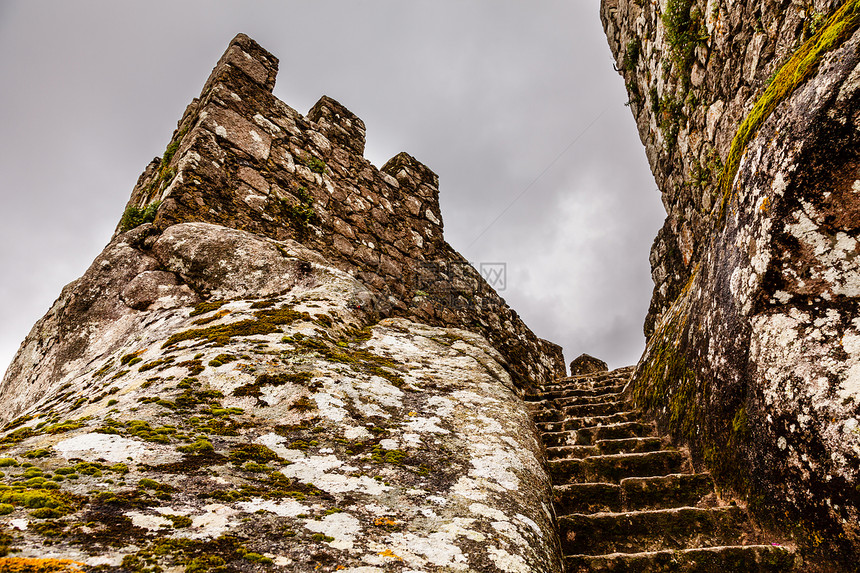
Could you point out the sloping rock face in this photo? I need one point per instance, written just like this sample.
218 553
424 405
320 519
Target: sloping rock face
277 361
749 116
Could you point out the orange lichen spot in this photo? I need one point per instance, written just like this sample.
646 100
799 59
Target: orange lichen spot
765 204
384 521
412 414
25 565
390 553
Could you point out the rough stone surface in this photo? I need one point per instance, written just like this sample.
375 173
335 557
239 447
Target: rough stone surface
629 502
751 355
284 368
241 158
586 364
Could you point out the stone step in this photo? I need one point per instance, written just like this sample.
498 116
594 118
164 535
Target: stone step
580 422
587 380
542 412
591 399
731 559
635 494
595 409
573 390
629 428
543 415
640 531
616 467
629 445
625 372
590 435
587 498
663 492
605 447
553 403
574 452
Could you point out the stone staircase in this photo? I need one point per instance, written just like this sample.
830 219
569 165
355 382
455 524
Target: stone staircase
626 501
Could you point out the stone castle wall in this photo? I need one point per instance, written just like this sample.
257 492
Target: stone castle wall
244 159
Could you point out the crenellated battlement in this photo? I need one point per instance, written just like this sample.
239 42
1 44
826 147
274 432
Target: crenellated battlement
242 158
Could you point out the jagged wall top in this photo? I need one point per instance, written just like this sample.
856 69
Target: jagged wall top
242 158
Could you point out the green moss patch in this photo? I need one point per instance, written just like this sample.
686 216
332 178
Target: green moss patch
163 362
205 307
207 319
254 453
200 446
20 421
802 65
265 321
222 359
139 429
337 352
61 503
135 216
274 486
685 29
278 379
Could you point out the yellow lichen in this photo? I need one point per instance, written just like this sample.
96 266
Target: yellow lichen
391 554
25 565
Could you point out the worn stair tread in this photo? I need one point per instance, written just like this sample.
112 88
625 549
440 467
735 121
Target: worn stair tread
595 409
588 435
673 490
615 467
582 385
585 411
629 445
579 422
578 393
719 559
587 498
589 399
651 530
561 452
664 492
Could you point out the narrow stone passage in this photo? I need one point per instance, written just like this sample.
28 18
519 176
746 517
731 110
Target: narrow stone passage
628 502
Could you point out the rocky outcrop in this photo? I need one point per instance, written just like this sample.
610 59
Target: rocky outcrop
277 360
748 113
586 364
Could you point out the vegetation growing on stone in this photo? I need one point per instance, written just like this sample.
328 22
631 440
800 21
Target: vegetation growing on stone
212 318
253 452
135 216
200 446
631 54
300 214
156 363
315 164
671 114
685 30
222 359
266 321
205 307
277 379
802 65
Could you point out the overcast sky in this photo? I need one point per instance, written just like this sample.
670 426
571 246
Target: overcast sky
503 99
